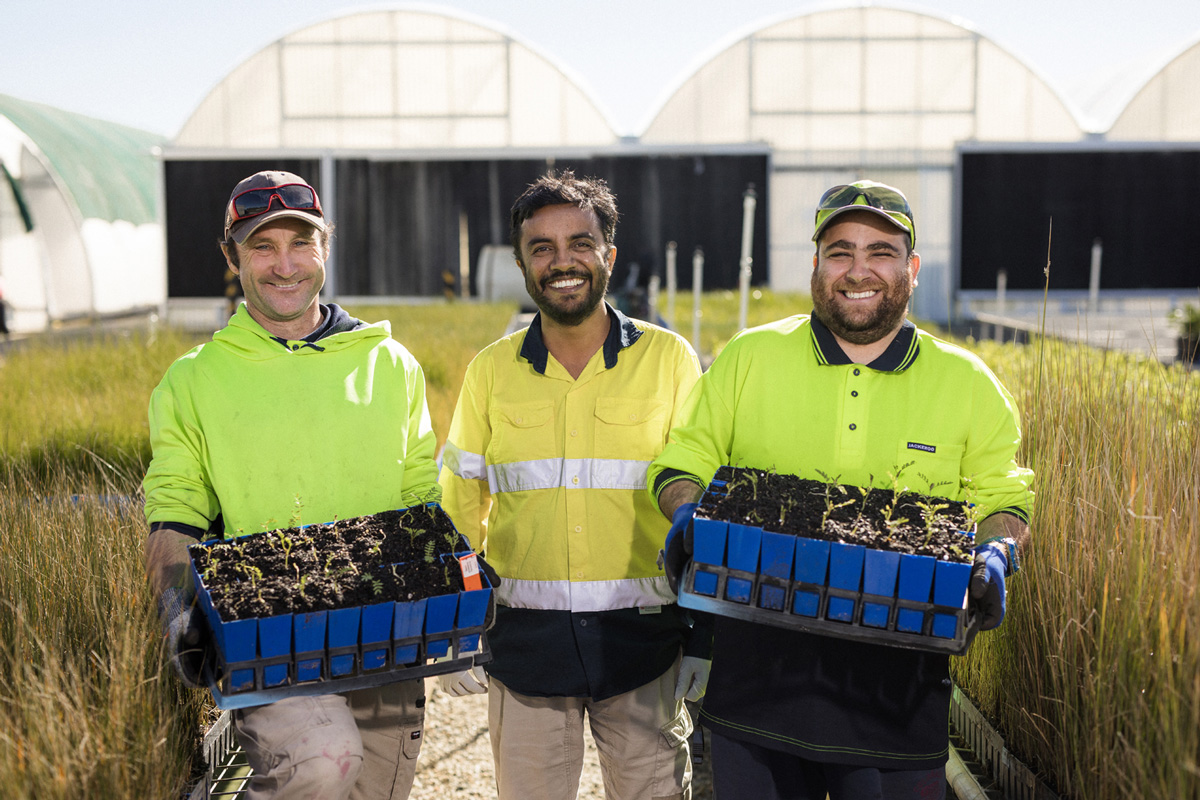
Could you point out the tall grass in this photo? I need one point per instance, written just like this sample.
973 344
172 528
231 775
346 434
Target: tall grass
85 710
79 404
1095 675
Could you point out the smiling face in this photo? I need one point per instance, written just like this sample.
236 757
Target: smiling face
566 262
863 277
282 269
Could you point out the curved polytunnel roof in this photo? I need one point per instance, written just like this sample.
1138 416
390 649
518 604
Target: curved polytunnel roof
396 79
863 78
107 169
1165 108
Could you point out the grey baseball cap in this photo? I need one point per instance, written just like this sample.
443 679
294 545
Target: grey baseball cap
266 196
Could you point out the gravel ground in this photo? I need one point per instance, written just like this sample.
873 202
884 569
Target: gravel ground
456 757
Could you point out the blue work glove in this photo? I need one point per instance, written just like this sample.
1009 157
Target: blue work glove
677 551
987 581
183 635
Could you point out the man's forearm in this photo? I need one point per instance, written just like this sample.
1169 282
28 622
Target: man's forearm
167 560
677 493
1004 526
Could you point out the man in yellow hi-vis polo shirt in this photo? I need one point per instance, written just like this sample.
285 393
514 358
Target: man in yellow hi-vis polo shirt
855 391
545 472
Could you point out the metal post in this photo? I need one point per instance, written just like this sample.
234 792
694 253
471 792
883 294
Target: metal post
671 284
749 200
1094 280
1001 300
330 210
697 287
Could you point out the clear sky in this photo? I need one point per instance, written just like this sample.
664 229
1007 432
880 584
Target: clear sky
149 63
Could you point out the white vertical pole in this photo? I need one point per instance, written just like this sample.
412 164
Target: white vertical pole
672 283
697 287
464 255
1094 279
749 200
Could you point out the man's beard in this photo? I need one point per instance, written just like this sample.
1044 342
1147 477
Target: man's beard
858 329
577 311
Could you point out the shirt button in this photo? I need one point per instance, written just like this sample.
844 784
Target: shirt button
519 420
633 416
578 529
854 393
853 427
575 480
583 623
856 371
578 574
574 433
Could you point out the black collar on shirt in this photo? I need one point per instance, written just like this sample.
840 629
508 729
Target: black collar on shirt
621 334
334 319
898 356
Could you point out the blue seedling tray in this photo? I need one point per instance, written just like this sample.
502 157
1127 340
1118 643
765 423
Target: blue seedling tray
266 659
830 588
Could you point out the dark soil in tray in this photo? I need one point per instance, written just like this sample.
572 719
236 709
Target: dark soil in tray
395 555
906 522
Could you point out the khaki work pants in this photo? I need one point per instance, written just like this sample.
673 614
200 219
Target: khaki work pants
361 745
642 736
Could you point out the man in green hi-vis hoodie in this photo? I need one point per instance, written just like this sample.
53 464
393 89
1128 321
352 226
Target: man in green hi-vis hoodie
294 413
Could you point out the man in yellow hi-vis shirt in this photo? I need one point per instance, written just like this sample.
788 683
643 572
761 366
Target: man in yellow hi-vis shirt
857 391
545 472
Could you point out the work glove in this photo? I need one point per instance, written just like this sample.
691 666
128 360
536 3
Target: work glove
469 681
693 678
992 561
677 551
183 635
493 577
486 568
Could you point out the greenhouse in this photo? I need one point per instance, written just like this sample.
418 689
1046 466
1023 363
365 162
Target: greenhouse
863 92
419 129
79 230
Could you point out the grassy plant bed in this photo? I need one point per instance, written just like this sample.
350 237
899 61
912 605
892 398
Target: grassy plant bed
890 567
341 605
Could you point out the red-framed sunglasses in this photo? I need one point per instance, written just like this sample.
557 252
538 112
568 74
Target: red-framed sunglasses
253 202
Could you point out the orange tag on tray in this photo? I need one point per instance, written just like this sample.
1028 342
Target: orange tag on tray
469 565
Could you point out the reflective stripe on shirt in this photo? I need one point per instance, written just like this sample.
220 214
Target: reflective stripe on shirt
548 473
584 596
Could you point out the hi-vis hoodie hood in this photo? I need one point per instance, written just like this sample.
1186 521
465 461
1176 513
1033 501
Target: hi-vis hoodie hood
252 341
271 433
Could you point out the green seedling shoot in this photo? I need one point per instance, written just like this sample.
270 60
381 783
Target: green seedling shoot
832 484
286 544
930 509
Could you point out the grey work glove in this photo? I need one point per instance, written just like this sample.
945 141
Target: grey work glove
469 681
693 678
183 635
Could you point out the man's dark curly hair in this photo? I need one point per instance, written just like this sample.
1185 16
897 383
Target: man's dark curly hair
560 189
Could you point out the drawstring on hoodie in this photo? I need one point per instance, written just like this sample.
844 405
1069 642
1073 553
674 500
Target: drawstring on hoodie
294 347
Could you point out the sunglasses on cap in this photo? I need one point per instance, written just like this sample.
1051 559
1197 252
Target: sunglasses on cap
876 197
253 202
